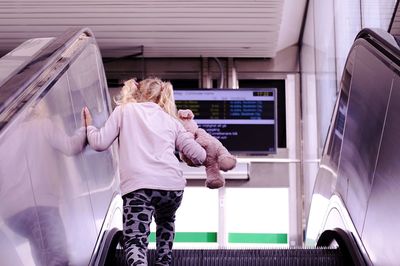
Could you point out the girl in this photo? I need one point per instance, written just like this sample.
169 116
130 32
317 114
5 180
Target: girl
151 179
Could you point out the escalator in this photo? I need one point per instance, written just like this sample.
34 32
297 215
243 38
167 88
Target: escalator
49 178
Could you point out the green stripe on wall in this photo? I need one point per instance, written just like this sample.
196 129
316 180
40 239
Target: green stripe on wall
193 237
257 238
211 237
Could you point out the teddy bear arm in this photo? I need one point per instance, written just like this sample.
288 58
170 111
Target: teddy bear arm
226 160
186 117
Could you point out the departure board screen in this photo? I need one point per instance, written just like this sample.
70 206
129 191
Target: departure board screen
244 120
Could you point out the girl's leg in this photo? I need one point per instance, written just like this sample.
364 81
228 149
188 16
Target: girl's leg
165 220
137 217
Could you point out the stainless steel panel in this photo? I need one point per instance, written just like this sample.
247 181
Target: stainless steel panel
368 97
88 88
382 229
326 182
54 191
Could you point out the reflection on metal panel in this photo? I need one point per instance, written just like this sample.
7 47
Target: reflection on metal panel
381 224
370 88
55 192
15 60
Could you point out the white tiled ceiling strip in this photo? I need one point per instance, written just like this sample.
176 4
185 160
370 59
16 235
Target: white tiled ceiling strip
222 28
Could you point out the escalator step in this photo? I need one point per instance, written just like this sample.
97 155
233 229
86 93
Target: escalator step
247 257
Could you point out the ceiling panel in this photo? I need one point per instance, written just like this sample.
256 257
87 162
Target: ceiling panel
395 26
208 28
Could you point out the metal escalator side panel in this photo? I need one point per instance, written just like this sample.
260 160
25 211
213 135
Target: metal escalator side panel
326 181
369 95
382 227
50 181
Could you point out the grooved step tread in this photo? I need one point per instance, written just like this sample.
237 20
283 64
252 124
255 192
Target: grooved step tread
247 257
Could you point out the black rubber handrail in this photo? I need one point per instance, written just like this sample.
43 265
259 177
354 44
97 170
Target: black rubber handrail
384 42
112 240
347 245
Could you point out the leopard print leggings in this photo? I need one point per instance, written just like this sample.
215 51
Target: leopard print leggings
139 208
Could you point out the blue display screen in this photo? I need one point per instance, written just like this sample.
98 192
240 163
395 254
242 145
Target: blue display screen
244 120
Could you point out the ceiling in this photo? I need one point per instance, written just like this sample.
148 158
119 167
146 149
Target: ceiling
164 28
395 25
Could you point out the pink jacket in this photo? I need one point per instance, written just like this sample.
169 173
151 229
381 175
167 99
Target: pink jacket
148 137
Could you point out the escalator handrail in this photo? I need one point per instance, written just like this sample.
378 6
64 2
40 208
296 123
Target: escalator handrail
383 41
345 240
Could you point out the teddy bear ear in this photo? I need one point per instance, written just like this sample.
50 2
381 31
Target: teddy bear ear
182 113
186 113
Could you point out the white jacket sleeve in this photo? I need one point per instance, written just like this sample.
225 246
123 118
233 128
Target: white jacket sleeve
101 139
186 144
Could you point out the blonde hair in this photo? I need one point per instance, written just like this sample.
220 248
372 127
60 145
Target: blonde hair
128 93
149 90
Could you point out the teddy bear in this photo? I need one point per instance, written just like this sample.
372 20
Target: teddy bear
217 156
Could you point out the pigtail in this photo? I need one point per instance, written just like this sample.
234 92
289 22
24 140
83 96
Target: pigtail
167 101
128 94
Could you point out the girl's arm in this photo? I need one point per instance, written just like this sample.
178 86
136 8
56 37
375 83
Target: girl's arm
101 139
